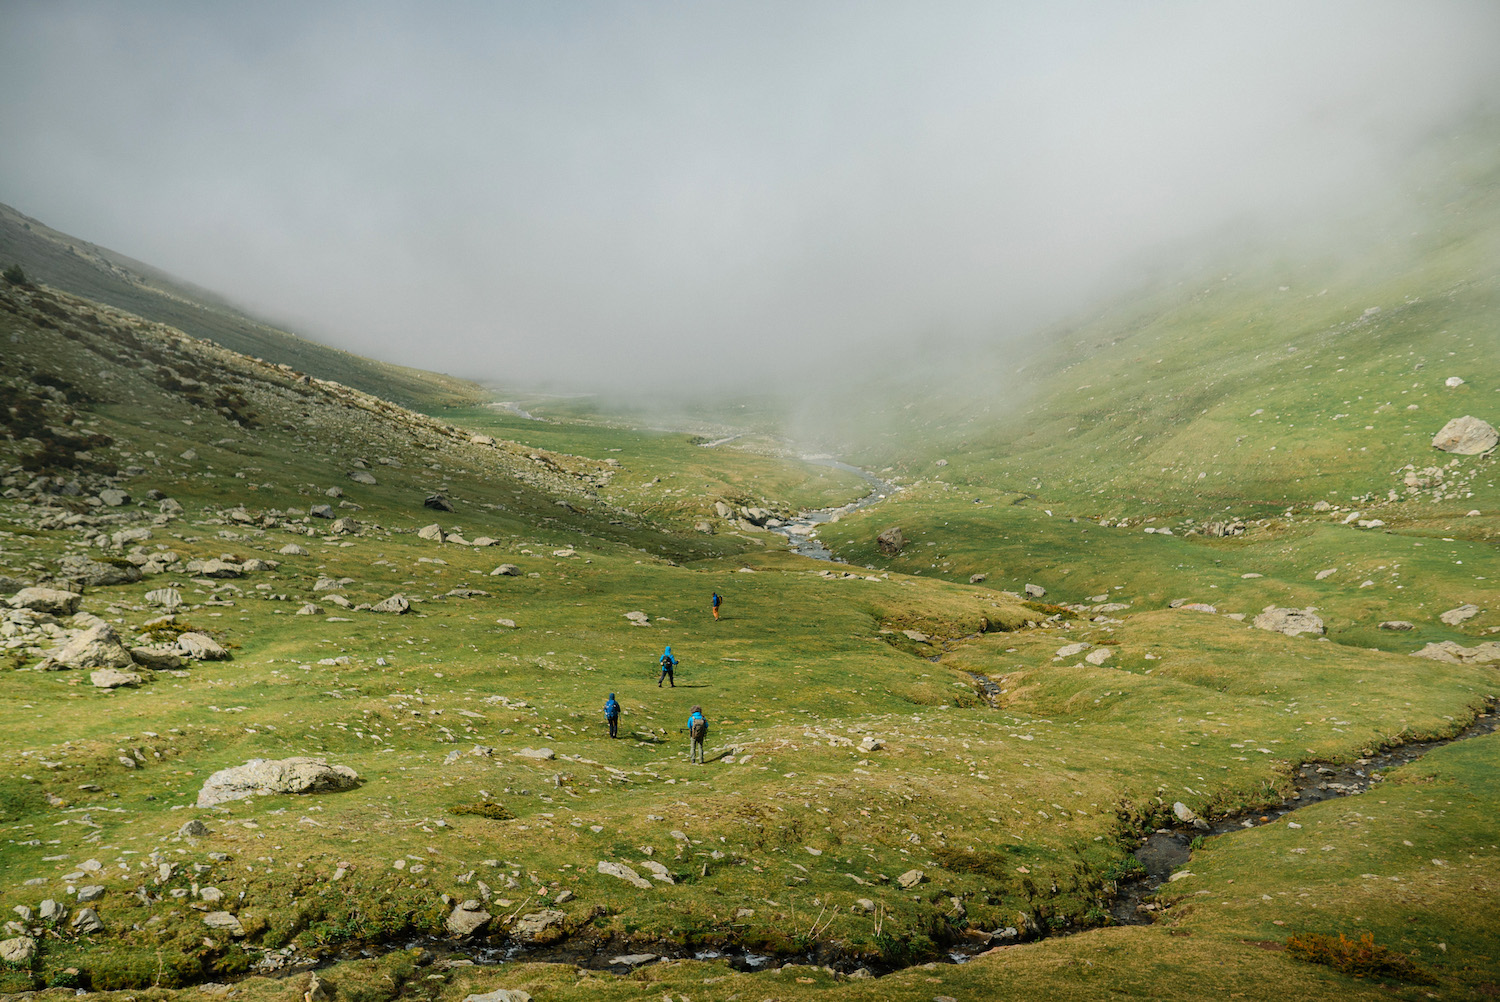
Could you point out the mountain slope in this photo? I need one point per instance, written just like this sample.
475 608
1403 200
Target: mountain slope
96 273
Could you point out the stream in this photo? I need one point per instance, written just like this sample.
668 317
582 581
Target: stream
800 532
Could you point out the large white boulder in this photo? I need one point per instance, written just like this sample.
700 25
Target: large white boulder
262 777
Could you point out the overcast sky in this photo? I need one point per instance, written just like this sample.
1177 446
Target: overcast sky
658 194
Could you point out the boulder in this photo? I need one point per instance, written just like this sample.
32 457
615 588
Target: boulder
539 754
166 598
1069 650
1292 622
363 477
293 550
345 526
92 573
48 601
1456 654
19 952
723 510
87 922
1397 624
625 873
500 995
433 532
111 678
1466 436
1098 656
890 540
539 928
481 440
200 647
1186 815
156 659
96 647
467 918
506 570
262 777
217 568
1035 591
437 502
169 506
90 892
321 511
395 605
978 578
224 922
910 879
193 829
1464 613
126 537
256 564
486 541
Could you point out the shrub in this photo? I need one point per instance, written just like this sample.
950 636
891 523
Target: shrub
1358 958
14 275
485 809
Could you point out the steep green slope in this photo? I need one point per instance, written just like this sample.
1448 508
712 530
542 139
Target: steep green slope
87 270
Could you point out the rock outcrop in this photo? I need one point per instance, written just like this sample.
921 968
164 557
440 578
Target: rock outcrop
1292 622
50 601
263 777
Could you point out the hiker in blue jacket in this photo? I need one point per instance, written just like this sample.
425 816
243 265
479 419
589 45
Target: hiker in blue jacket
697 732
668 662
716 602
612 714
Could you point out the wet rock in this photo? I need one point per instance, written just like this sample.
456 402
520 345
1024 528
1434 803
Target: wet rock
891 540
262 777
201 647
48 601
910 879
1464 613
1466 436
395 605
625 873
1291 622
224 922
467 918
540 928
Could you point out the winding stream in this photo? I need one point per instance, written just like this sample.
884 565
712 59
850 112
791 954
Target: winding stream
800 532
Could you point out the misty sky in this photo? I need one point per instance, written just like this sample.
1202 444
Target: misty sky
693 194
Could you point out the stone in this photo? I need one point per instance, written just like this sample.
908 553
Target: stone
308 609
321 511
1325 573
193 829
977 578
485 541
891 540
1291 622
563 896
540 754
169 506
293 550
625 873
500 995
540 928
395 605
51 911
1453 382
48 601
467 918
96 647
1464 613
910 879
166 598
433 532
92 573
437 502
90 892
87 922
870 743
1098 656
156 659
481 440
363 477
509 624
632 959
1035 591
1456 654
657 871
126 537
1466 436
345 526
916 635
723 510
1186 815
217 568
200 647
262 777
224 922
506 571
19 952
1072 650
210 894
111 678
1398 624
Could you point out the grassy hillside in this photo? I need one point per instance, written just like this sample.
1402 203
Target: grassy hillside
94 272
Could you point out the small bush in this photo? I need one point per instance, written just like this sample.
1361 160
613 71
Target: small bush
15 276
1358 958
485 809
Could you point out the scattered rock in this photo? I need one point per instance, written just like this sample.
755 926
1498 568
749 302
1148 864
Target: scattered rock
51 910
891 540
916 635
540 928
224 922
910 879
396 605
1292 622
1453 382
638 618
93 574
1397 624
657 871
345 526
1464 613
467 918
111 678
201 647
625 873
261 777
1466 436
217 568
48 601
870 743
1325 573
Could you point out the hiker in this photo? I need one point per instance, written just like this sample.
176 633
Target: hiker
698 732
717 600
668 662
612 714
